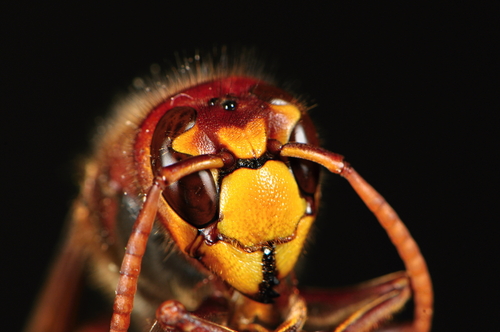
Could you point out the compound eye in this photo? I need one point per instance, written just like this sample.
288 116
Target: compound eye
306 172
194 197
173 123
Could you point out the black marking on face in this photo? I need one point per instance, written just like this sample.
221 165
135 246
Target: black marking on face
269 279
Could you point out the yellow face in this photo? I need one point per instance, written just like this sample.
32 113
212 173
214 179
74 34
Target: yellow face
261 215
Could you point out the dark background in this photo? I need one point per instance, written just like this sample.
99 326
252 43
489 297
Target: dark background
409 93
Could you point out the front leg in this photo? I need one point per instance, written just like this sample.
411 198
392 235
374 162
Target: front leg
360 308
172 315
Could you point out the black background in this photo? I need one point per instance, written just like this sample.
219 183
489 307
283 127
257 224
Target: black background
409 93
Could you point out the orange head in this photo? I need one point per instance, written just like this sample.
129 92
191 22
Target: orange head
246 223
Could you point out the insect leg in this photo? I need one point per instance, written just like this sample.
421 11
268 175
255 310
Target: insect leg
57 303
356 307
172 314
296 317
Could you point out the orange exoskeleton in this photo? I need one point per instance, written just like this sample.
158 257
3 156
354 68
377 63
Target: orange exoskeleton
203 187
